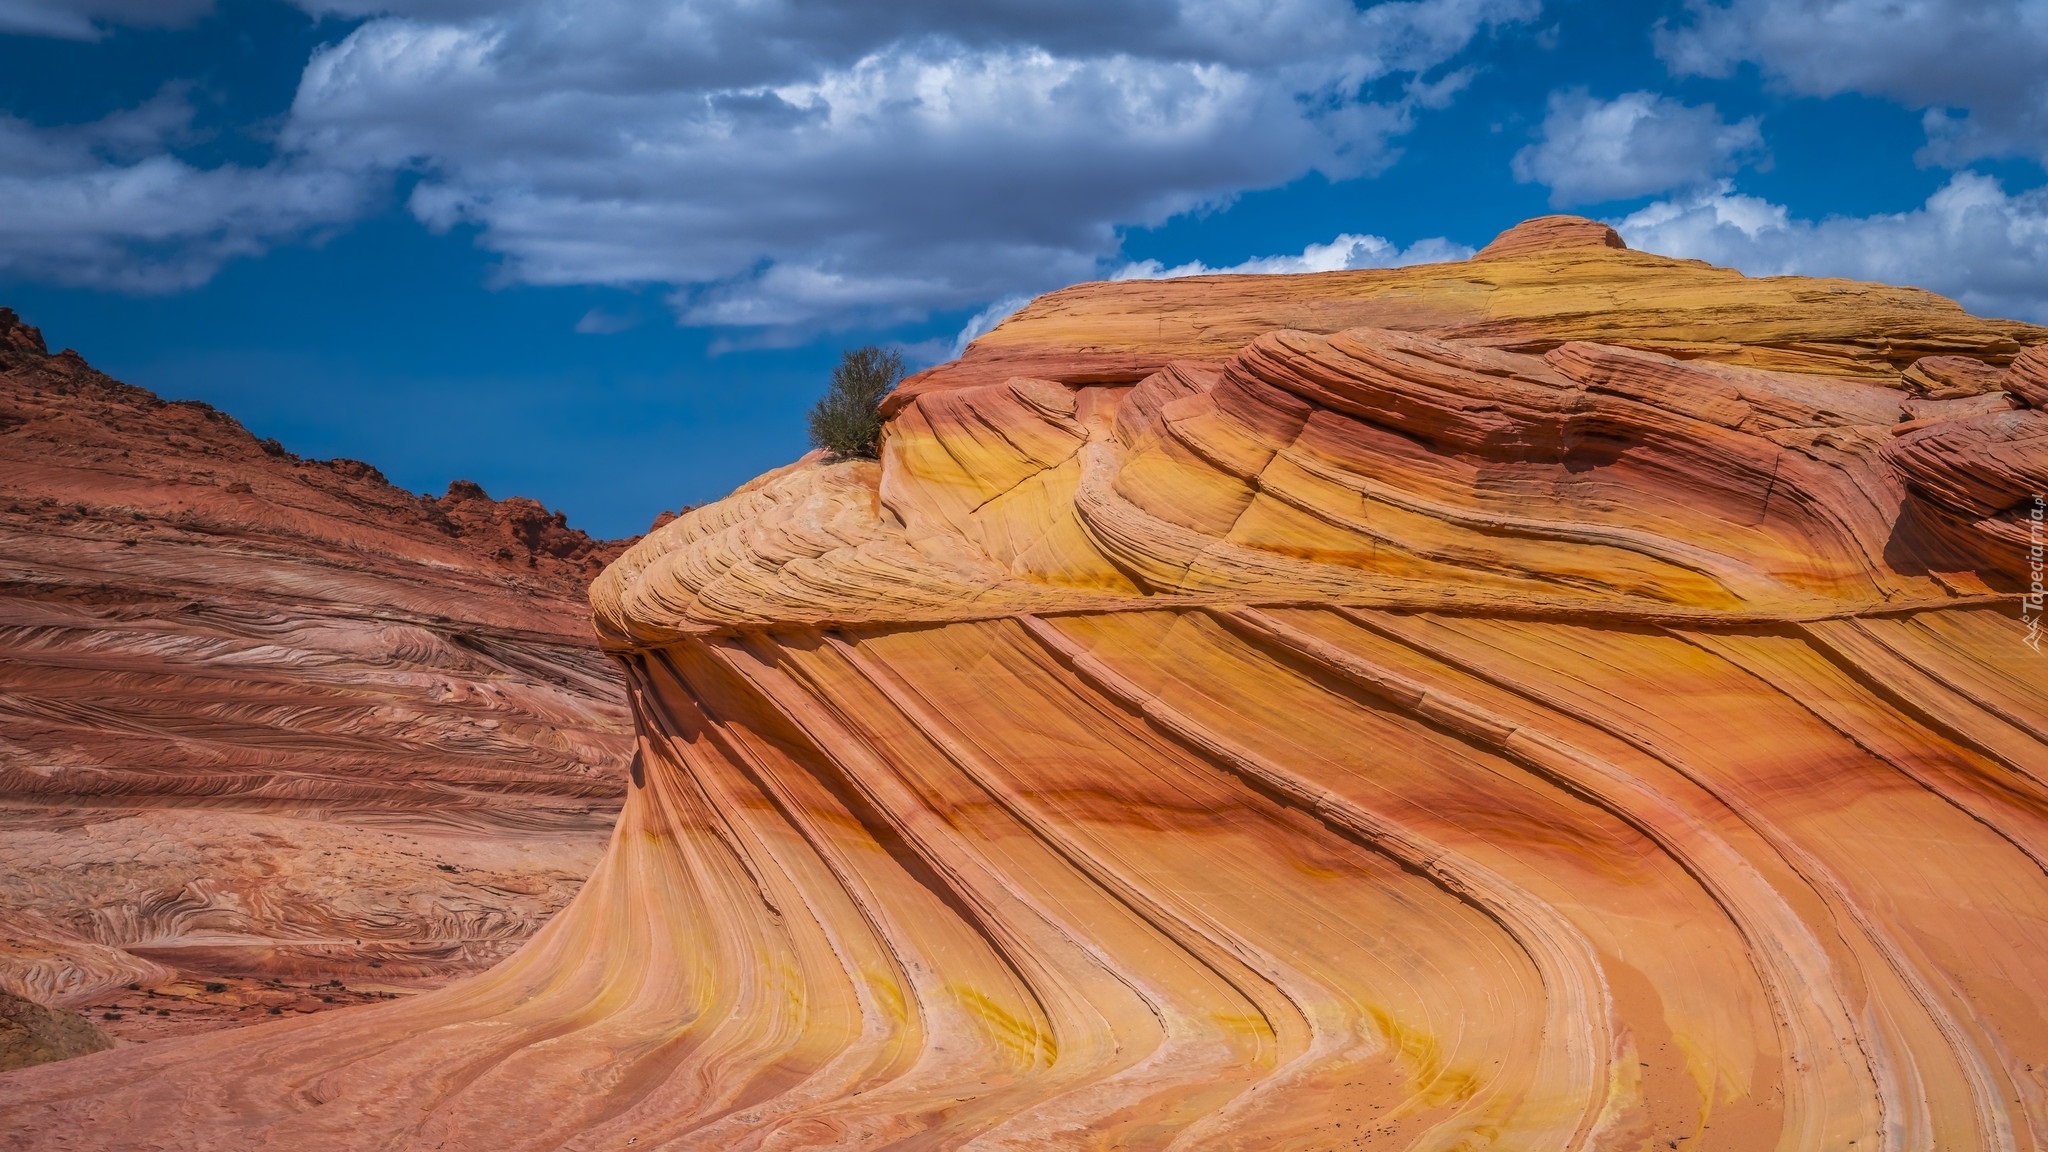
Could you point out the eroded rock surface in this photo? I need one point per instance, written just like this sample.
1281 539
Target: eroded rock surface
1568 700
265 719
32 1033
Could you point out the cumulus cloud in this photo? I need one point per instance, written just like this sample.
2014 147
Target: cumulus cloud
105 205
1637 144
1974 66
790 165
1970 241
1348 250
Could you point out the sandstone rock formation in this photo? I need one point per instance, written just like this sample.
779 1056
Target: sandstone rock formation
269 722
32 1033
1571 699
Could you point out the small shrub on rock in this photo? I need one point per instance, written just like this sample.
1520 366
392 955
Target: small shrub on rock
847 422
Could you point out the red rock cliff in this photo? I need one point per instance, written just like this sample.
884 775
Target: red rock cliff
250 705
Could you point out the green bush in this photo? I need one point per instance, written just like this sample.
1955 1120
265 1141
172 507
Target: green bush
847 422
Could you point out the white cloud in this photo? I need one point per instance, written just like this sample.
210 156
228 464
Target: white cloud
1636 144
598 322
87 19
104 205
987 319
791 165
1970 241
1975 66
1348 250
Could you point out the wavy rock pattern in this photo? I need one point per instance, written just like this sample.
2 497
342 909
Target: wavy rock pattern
269 719
1599 728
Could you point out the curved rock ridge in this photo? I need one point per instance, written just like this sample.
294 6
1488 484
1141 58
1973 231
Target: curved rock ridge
1563 278
268 722
1548 234
1367 738
1374 468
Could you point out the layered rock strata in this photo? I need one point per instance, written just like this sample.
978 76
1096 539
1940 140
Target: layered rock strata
1567 700
268 722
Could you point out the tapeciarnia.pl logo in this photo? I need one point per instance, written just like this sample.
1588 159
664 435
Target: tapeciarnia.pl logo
2031 603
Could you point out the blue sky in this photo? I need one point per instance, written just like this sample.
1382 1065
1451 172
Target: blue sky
604 252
